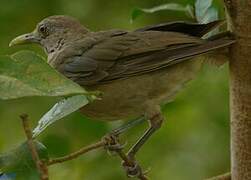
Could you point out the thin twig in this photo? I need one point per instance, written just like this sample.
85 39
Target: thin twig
98 144
105 141
41 167
226 176
77 153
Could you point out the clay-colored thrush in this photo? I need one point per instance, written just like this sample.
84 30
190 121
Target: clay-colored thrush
137 71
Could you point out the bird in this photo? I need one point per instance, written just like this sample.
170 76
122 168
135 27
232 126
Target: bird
137 71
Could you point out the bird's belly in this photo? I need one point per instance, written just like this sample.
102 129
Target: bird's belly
128 98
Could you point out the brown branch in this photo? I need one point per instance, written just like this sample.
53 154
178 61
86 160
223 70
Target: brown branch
77 153
102 143
41 167
226 176
240 89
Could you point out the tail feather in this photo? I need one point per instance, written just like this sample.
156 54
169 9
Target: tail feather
171 57
190 52
193 29
220 56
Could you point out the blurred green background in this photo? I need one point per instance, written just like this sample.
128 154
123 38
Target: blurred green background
192 144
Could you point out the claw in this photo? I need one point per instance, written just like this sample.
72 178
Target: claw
133 170
112 144
116 147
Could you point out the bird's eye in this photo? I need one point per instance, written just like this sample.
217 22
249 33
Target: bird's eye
43 30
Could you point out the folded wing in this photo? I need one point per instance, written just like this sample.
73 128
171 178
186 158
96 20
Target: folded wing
118 55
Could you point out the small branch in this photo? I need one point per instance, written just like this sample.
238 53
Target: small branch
41 167
226 176
77 153
240 94
101 143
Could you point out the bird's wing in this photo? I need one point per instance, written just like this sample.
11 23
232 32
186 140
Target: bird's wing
193 29
121 55
96 55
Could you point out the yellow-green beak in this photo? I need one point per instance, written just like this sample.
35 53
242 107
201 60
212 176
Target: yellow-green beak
24 39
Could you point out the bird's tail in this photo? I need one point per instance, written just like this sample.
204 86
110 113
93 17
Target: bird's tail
192 29
218 42
214 48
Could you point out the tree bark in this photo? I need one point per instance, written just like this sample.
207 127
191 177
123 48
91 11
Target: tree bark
240 89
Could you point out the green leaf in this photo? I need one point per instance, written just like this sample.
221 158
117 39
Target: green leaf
19 163
27 74
7 176
205 11
211 15
188 10
60 110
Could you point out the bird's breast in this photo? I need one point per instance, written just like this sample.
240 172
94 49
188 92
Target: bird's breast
128 98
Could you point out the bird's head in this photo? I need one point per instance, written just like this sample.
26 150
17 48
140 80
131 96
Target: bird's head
52 32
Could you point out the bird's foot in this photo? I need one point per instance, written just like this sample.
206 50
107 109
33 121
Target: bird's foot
130 165
112 143
133 169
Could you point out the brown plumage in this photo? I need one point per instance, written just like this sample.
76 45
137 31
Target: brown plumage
137 71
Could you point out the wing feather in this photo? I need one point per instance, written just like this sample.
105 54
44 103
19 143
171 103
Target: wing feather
125 54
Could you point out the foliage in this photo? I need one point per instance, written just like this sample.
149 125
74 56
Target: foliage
202 11
20 163
188 10
60 110
193 127
27 74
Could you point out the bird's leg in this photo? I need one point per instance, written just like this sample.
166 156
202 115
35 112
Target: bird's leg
133 169
112 138
128 125
113 145
129 163
155 124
